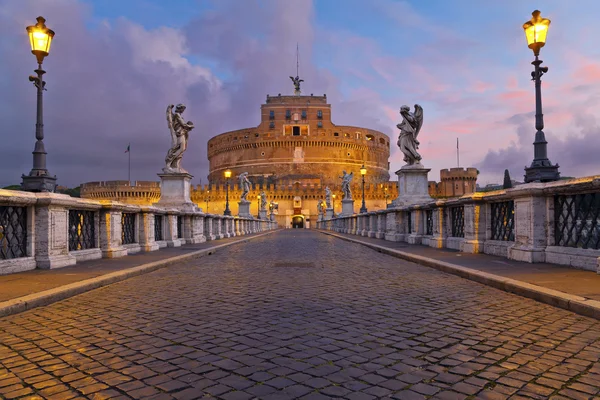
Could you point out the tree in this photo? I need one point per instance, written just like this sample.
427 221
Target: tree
12 187
507 183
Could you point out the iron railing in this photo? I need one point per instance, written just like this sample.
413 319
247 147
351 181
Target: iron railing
503 221
458 221
409 220
13 232
179 226
82 231
429 221
128 228
158 227
577 220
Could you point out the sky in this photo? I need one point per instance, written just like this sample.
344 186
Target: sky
115 65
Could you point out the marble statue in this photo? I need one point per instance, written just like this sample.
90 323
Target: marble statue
409 130
346 178
320 207
328 197
179 138
296 81
245 186
263 200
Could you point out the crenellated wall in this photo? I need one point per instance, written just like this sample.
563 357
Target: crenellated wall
454 182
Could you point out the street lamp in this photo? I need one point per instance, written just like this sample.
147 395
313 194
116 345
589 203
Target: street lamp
39 180
258 205
227 210
333 203
363 172
541 168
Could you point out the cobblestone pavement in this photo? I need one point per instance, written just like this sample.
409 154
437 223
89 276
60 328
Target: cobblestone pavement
298 314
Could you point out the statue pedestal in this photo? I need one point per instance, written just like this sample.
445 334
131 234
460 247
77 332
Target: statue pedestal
175 192
347 207
244 209
320 217
412 186
328 214
262 214
272 217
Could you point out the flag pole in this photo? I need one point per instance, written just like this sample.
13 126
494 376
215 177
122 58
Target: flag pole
457 154
129 172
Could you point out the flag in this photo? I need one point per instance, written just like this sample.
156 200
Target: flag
128 146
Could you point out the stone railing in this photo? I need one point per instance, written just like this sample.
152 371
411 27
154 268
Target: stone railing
47 230
556 222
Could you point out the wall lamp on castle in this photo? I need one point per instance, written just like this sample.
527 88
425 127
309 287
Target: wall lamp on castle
39 179
541 169
227 177
363 172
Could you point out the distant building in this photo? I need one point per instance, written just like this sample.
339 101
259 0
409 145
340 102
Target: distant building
454 182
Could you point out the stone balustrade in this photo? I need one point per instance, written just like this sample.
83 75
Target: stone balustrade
48 230
556 222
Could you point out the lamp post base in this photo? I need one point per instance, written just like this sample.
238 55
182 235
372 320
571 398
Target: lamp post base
38 183
542 172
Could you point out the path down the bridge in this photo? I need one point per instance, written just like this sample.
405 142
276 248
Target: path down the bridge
299 314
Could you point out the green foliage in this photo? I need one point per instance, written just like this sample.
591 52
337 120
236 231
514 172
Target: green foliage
12 187
74 192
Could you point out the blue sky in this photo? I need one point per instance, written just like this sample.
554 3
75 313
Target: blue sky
115 64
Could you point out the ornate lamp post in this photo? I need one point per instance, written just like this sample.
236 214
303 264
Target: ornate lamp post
363 172
39 180
541 168
258 205
227 210
333 203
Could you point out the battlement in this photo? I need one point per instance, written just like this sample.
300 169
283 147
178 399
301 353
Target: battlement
279 99
459 173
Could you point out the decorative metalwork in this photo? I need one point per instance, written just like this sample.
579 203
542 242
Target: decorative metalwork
179 226
458 221
577 221
503 221
409 220
128 228
13 232
158 227
82 232
429 220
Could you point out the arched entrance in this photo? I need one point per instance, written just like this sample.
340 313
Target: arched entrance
298 221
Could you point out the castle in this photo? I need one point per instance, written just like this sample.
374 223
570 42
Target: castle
292 155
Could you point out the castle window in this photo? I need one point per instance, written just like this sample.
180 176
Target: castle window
245 136
288 114
382 140
336 134
296 131
320 124
271 114
303 114
256 135
319 114
235 138
370 137
272 124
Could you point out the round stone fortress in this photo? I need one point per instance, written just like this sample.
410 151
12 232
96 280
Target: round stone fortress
296 140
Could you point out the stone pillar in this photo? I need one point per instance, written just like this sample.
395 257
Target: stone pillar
52 235
110 234
354 221
372 224
238 228
328 214
475 227
146 229
171 231
244 209
530 226
440 227
262 214
347 207
417 230
217 227
394 226
381 225
208 227
197 227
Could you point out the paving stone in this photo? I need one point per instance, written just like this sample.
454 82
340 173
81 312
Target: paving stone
359 325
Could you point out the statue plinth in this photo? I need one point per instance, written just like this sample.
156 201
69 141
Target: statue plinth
328 213
347 207
175 192
244 209
412 186
262 214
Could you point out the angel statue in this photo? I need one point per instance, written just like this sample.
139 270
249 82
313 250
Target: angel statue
328 197
296 81
263 200
409 130
179 137
346 178
320 207
245 185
